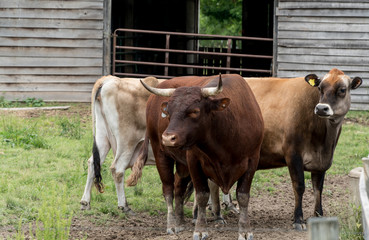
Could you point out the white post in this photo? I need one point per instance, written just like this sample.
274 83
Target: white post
363 189
354 177
323 228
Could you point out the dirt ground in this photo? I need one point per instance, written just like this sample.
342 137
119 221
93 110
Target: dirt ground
270 217
270 212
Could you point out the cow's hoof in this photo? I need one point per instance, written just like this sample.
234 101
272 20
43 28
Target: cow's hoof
220 220
244 236
170 231
299 226
178 229
231 207
127 210
85 205
200 236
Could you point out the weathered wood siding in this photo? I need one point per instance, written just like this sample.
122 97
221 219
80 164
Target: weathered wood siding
315 36
50 49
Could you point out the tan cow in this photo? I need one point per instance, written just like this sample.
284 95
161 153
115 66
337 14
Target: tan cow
118 112
302 127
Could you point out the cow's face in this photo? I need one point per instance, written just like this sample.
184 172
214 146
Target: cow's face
189 116
189 111
334 91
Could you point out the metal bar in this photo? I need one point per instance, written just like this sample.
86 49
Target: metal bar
194 52
190 36
143 75
114 51
229 42
192 66
193 34
167 41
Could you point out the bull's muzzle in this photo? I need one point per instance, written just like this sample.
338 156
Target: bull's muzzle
169 139
323 110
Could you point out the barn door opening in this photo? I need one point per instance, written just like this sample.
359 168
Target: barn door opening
164 15
183 17
258 21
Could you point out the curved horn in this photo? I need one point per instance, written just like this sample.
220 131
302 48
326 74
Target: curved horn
158 91
212 91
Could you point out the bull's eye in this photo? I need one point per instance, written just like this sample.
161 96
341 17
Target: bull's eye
194 113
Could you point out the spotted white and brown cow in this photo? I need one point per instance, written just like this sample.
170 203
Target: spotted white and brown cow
118 112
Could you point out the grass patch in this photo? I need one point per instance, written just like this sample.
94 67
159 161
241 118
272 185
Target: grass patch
15 134
70 128
44 169
29 102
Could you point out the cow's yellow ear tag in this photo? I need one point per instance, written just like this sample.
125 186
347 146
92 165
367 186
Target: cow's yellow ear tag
312 82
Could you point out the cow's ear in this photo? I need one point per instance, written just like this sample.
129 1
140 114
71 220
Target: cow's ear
356 82
220 104
164 110
313 80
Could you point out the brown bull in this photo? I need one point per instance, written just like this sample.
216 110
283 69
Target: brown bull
302 127
205 138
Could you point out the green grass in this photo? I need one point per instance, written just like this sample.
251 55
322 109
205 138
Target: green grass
44 169
29 102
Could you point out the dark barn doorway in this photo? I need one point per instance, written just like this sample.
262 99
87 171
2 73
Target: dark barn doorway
183 16
258 21
163 15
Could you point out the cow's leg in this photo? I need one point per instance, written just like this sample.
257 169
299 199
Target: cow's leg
103 147
214 196
296 170
118 168
165 168
182 178
243 197
200 227
195 210
227 201
317 179
200 183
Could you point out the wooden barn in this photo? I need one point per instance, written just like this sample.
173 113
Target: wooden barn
315 36
57 49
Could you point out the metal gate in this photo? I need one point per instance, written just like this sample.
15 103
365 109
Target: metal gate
141 53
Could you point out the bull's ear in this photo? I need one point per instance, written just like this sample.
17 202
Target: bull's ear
164 110
313 80
356 82
220 104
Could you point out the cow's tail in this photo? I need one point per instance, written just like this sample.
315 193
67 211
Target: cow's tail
139 163
97 168
95 150
189 191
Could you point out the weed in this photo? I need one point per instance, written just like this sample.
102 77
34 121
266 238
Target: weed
70 128
29 102
5 103
22 136
12 204
54 217
33 102
20 232
352 228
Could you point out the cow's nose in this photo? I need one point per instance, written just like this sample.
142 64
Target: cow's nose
169 139
323 110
